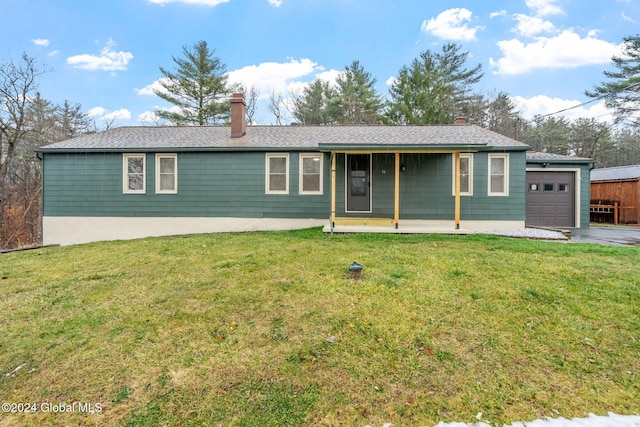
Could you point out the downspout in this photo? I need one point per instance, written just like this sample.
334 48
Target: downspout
457 197
332 218
41 216
396 191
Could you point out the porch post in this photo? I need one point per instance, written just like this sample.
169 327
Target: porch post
333 187
396 199
457 198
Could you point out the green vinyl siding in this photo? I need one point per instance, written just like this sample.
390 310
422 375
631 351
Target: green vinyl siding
480 205
232 184
210 184
426 188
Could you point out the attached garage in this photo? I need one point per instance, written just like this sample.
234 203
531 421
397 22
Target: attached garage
557 193
551 198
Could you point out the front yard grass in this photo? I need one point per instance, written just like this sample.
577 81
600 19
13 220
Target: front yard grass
261 329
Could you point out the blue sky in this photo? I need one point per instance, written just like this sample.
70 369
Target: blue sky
105 55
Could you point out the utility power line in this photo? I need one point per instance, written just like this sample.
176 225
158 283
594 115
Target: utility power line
586 103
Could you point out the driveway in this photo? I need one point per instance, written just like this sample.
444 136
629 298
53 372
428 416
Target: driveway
618 236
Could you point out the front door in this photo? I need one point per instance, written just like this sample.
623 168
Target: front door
358 182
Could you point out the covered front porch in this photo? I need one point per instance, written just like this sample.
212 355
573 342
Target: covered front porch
428 189
369 189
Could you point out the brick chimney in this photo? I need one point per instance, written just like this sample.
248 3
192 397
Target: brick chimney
460 120
238 121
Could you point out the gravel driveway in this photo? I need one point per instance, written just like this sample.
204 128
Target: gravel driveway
617 236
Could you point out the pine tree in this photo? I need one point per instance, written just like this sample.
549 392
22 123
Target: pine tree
314 105
502 116
355 97
548 135
590 138
433 89
622 91
198 88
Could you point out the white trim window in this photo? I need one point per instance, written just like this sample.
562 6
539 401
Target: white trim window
466 175
166 173
277 173
133 173
498 184
310 173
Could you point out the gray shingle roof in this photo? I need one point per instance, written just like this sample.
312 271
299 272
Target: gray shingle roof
283 138
555 158
617 173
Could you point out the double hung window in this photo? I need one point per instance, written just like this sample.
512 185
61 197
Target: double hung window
133 177
498 175
166 173
311 173
277 173
466 175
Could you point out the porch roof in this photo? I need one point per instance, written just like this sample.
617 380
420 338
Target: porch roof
289 138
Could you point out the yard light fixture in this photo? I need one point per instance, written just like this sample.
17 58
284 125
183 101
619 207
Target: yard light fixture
356 270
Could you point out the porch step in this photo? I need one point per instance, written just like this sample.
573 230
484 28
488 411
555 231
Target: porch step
372 222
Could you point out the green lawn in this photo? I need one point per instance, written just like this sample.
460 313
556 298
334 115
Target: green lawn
260 329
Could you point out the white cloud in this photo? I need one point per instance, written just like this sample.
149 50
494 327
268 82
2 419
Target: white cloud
329 76
151 88
123 114
285 78
96 111
151 118
274 76
542 105
451 25
200 2
102 114
497 13
275 3
297 87
270 77
566 50
390 81
53 53
107 60
544 7
627 18
148 117
593 33
530 26
40 42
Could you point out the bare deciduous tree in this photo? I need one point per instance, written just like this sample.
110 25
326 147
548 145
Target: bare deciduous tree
275 106
18 82
251 96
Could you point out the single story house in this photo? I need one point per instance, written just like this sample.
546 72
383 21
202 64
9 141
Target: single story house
615 194
132 182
